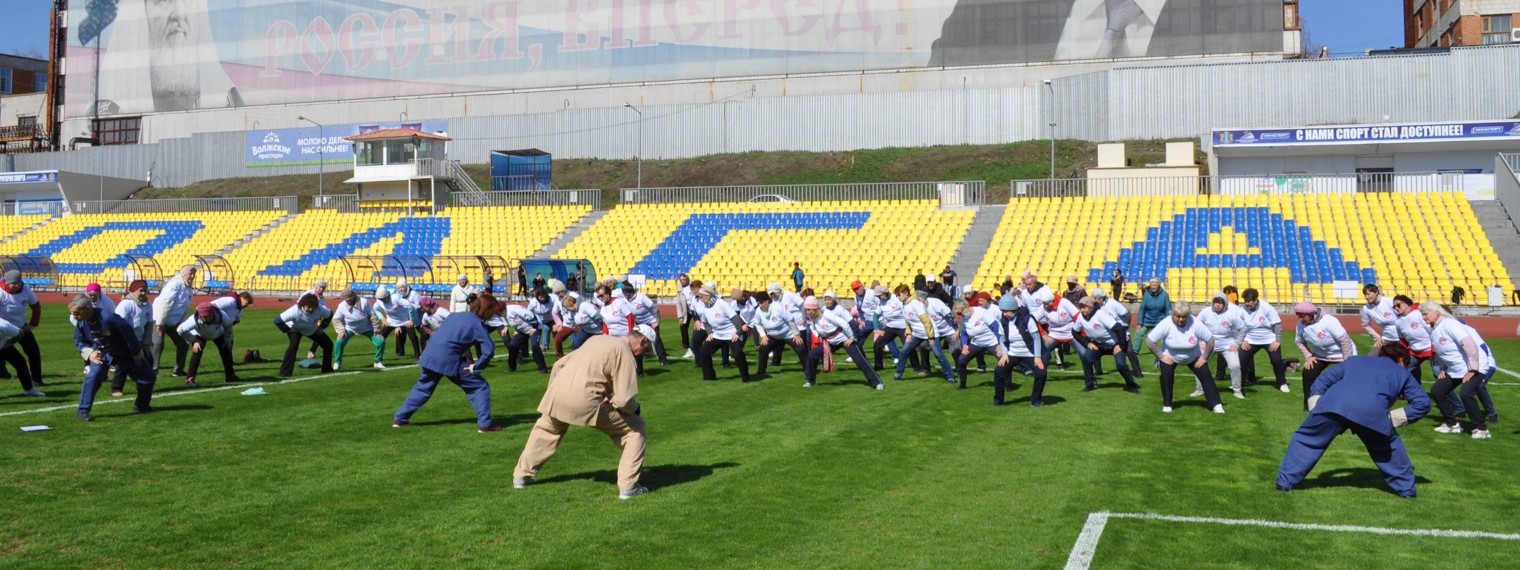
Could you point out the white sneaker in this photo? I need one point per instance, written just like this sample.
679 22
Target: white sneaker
849 359
1481 434
380 365
807 385
521 482
1240 395
337 365
1195 394
34 392
1218 408
688 354
1285 389
1454 428
631 493
1166 409
880 386
86 370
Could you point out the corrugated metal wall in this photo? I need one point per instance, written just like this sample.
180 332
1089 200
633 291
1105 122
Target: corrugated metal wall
1119 104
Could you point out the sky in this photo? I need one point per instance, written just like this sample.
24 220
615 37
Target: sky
1349 27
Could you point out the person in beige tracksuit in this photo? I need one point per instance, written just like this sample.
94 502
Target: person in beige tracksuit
594 386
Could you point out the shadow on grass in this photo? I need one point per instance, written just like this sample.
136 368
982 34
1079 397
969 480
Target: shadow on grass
1045 400
1355 477
656 477
504 422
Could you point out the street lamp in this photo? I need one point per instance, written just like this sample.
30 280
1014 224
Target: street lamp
641 142
321 152
1052 99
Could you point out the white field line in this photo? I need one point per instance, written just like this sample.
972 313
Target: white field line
1087 542
237 386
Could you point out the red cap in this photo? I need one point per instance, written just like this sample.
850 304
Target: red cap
138 284
204 310
983 297
855 284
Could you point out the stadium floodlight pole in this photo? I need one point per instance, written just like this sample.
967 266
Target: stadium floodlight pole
1052 90
321 152
640 144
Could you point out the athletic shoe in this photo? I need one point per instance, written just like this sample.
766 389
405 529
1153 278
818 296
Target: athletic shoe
190 382
1285 389
880 386
86 370
33 392
117 393
396 424
1240 395
980 370
1132 388
1218 408
521 482
897 377
1480 434
1036 404
808 385
84 416
1453 428
380 365
849 359
177 373
1195 394
310 354
1166 409
1090 388
337 365
488 429
923 373
688 355
631 493
145 409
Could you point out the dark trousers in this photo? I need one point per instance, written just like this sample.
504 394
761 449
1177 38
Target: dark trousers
476 390
887 342
144 375
180 344
659 348
815 361
966 357
1092 358
1442 395
775 345
735 347
223 349
699 338
1168 378
11 356
1002 379
520 347
807 340
402 334
1248 364
1314 436
318 339
28 343
686 334
1311 373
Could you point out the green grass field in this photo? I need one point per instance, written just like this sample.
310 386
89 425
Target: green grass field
769 475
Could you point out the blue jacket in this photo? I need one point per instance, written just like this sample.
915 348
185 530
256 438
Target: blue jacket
1363 387
111 335
1154 306
797 277
449 348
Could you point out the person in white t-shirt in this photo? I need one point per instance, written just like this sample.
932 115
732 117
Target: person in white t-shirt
1183 341
1120 313
1379 312
1322 340
725 330
830 333
1097 334
1228 325
1457 362
1263 332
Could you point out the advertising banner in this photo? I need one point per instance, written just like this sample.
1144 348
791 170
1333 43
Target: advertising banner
311 145
28 177
1369 133
174 55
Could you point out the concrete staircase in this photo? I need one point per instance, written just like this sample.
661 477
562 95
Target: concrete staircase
16 235
569 235
1500 227
968 258
256 233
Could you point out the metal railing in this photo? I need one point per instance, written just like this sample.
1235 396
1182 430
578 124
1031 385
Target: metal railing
1240 185
1084 187
591 198
971 190
346 203
17 133
1511 159
32 208
517 182
277 203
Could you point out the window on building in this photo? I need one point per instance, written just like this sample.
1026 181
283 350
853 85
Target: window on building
26 120
1496 29
118 131
368 154
5 79
399 152
40 82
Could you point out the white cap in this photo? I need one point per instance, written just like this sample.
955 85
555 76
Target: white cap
645 330
830 295
773 288
382 293
462 277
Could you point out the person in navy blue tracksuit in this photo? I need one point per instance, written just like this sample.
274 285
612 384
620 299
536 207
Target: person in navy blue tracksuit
447 355
105 341
1356 396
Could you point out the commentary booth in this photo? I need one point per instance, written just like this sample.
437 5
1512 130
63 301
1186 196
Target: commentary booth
565 270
